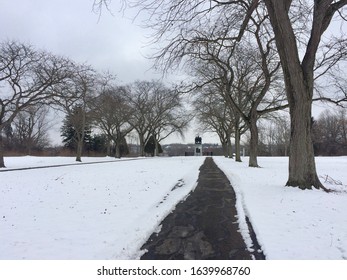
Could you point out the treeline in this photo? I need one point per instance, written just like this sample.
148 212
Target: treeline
329 134
99 113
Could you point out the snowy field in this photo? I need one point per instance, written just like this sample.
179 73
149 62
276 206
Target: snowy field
108 210
94 211
291 223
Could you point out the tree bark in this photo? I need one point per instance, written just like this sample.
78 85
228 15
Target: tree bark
118 149
253 145
302 167
225 149
118 143
156 150
142 146
237 145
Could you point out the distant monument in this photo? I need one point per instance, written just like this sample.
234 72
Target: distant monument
198 146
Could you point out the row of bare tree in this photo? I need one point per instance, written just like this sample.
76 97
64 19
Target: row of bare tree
34 81
147 107
287 42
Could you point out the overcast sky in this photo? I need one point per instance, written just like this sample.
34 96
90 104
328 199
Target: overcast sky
111 42
71 28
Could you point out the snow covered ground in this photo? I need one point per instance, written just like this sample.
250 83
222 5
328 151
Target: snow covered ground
95 211
108 210
291 223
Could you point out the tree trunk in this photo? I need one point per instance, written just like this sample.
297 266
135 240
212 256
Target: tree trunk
237 145
299 81
118 144
2 162
225 149
230 148
142 146
253 145
79 150
302 167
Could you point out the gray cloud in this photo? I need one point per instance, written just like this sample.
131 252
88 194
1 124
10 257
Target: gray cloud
72 29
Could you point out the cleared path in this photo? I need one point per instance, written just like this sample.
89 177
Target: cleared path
204 226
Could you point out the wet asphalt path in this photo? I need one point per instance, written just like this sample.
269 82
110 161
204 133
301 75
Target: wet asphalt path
204 226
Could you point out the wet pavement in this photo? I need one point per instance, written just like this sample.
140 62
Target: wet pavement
204 226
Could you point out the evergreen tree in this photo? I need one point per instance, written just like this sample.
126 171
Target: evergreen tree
150 146
98 143
70 131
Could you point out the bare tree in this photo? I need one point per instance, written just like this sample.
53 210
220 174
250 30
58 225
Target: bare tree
244 76
27 78
72 97
141 120
299 80
215 116
170 114
110 111
157 111
30 128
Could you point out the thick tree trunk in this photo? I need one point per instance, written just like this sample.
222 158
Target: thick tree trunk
302 167
118 143
253 145
156 149
237 145
142 146
225 149
79 150
118 150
